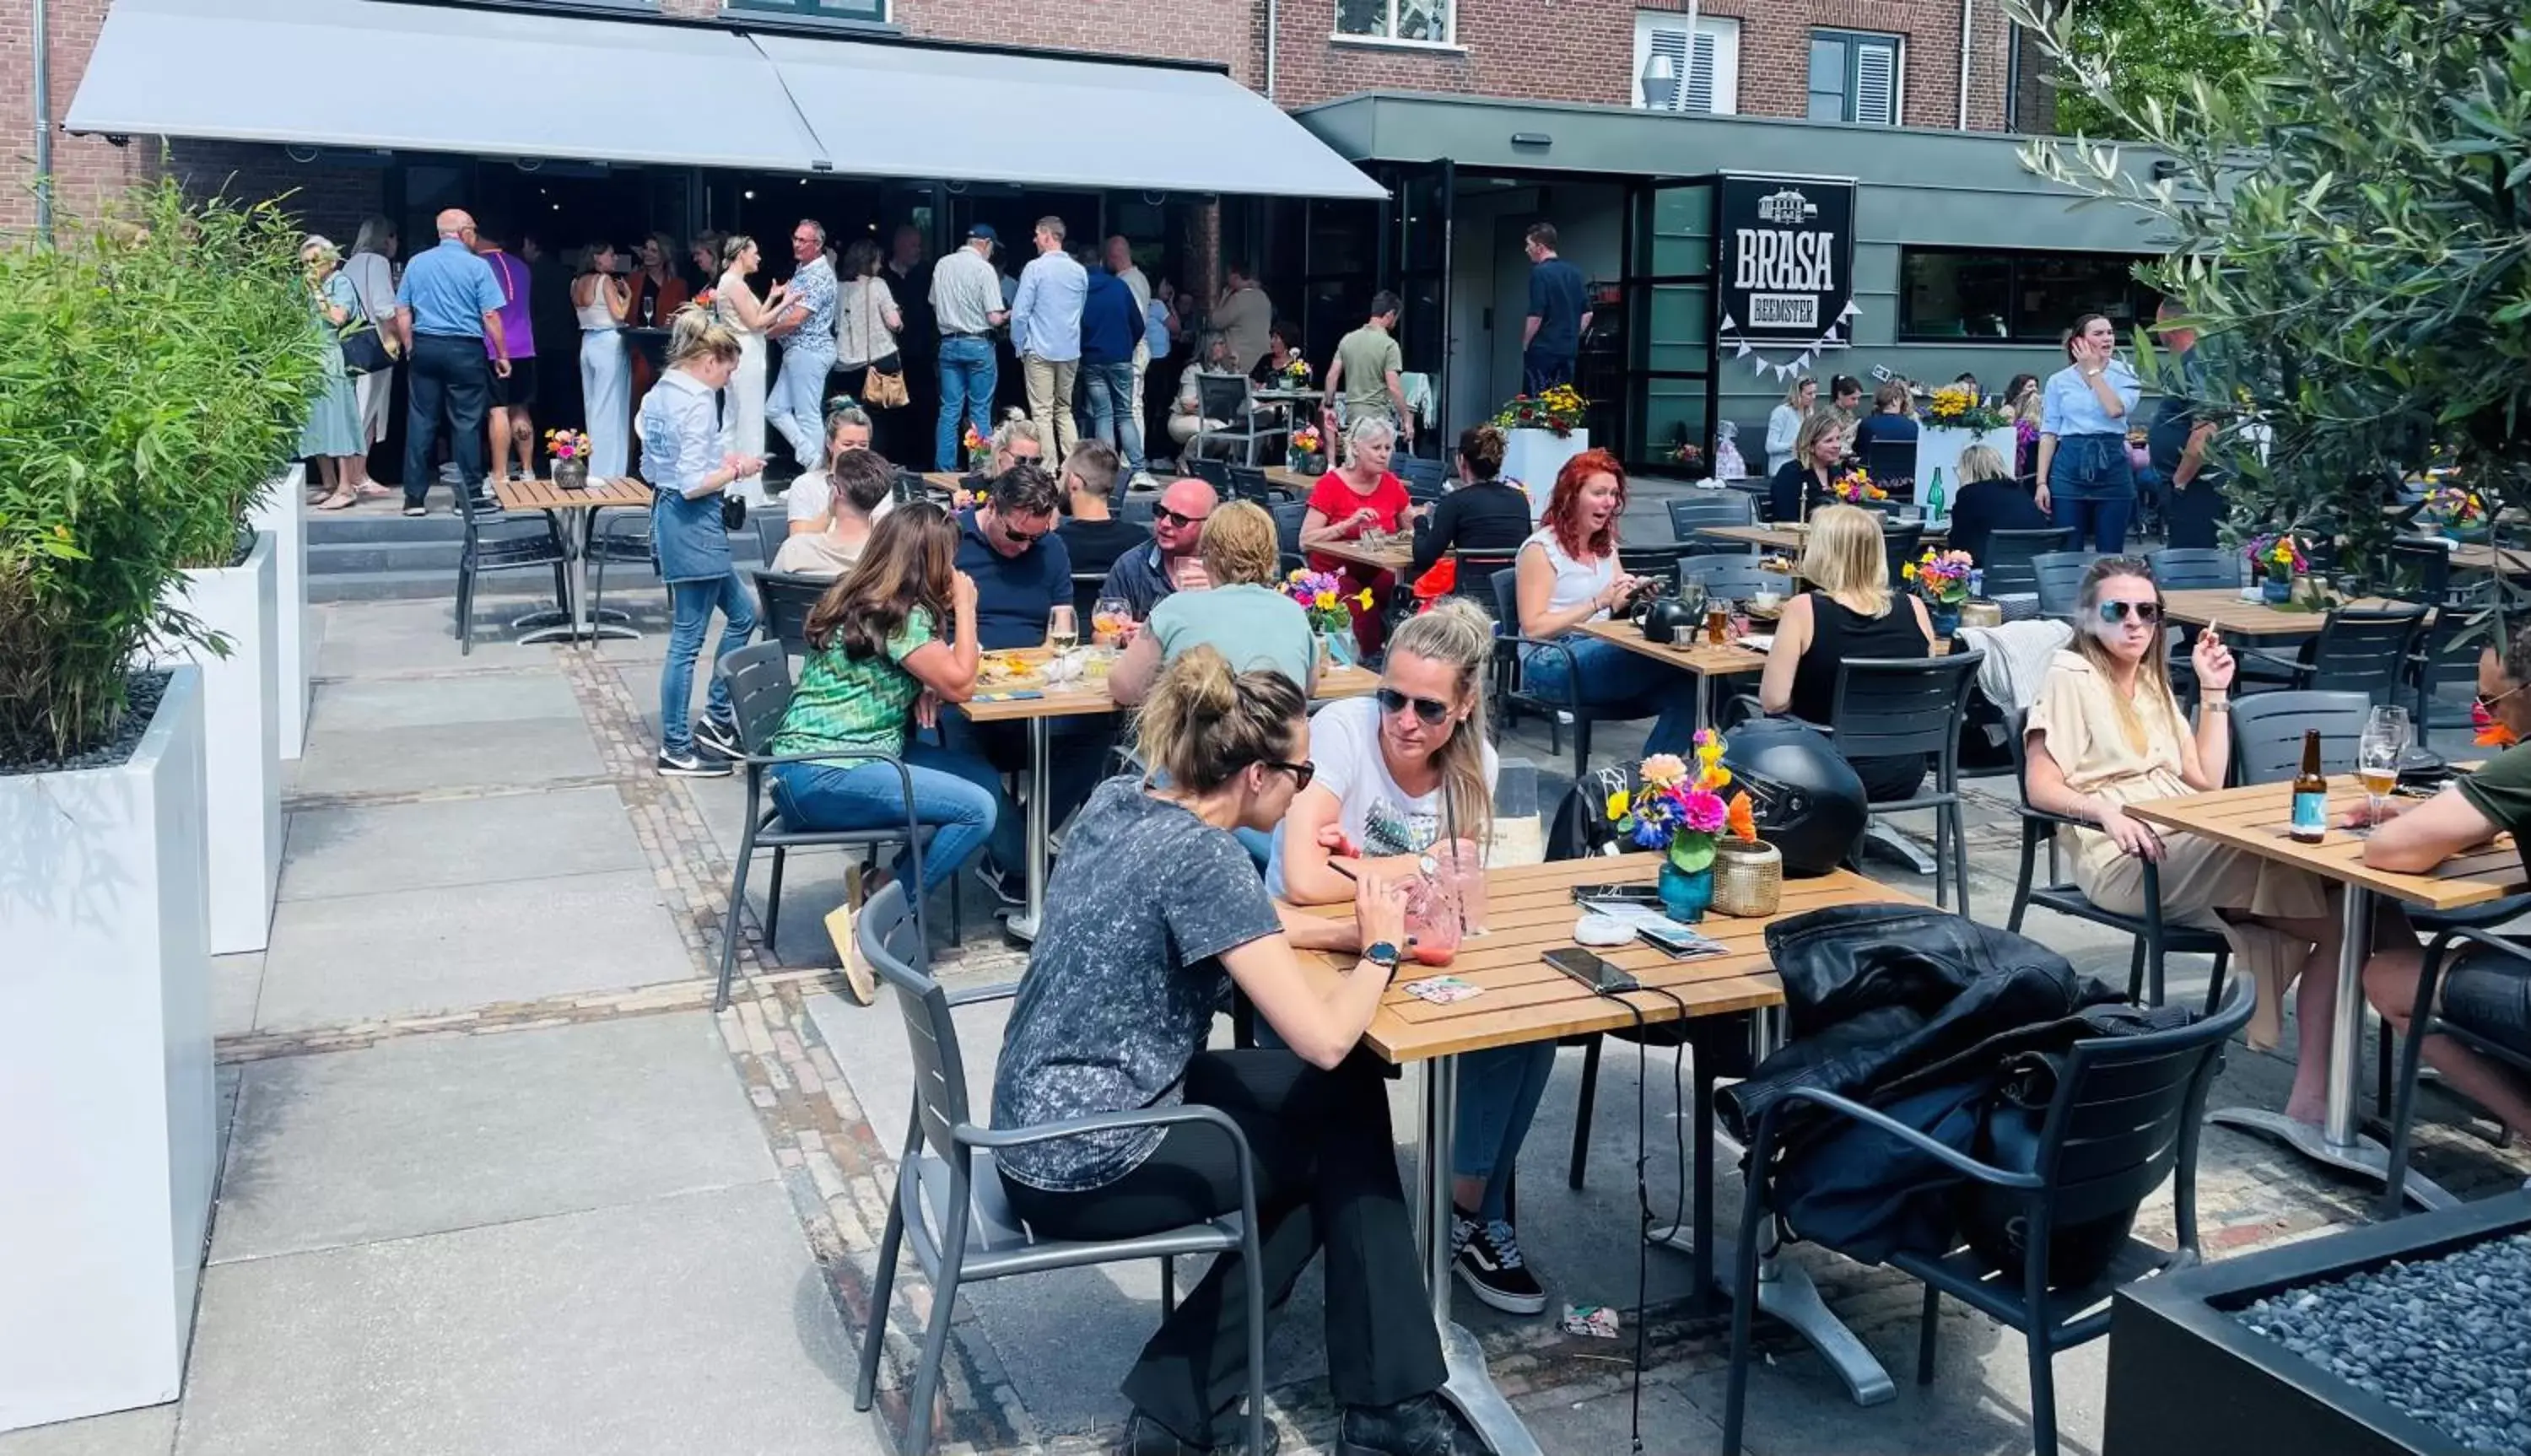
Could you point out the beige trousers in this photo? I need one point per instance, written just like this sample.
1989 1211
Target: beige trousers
1049 405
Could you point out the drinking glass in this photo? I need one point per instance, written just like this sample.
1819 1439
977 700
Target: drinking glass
2378 753
1062 628
1110 618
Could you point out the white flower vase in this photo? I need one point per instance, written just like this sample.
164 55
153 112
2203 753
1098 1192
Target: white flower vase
1533 455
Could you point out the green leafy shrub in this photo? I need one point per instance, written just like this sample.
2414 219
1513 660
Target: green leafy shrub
155 370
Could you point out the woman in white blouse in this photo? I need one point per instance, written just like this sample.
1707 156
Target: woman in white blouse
867 323
1786 421
736 305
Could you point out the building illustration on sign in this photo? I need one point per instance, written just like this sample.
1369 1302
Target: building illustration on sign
1787 206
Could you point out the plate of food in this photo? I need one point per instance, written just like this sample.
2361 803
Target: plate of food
1000 670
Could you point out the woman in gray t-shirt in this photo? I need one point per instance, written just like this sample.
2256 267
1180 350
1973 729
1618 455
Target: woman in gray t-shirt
1154 912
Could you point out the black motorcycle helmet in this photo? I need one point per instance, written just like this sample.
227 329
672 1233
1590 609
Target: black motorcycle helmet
1808 801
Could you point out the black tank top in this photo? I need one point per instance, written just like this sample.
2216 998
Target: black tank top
1838 633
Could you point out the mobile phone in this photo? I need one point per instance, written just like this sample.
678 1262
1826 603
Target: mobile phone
1633 894
1599 973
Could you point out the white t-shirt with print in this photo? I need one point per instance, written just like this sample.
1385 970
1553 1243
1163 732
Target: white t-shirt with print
811 495
1373 812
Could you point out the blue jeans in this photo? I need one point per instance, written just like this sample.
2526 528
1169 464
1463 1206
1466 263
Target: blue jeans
1499 1093
967 378
1618 684
958 796
2091 489
1113 417
693 602
794 406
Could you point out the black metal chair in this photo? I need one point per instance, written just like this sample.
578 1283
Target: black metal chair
2154 942
1249 483
1891 465
1224 400
783 600
1424 479
759 690
1213 472
1657 562
1889 706
1510 694
910 486
2196 569
1474 576
621 536
1735 577
538 549
950 1202
2449 647
2268 729
1901 543
1136 510
2057 577
1691 515
771 531
2124 1116
2009 554
1289 516
2429 1017
2359 649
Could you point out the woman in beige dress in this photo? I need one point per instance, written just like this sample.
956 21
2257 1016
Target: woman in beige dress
2106 733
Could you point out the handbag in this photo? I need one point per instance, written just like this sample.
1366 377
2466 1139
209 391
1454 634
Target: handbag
884 389
364 350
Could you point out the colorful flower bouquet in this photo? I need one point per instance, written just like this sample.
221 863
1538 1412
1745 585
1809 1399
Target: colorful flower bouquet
1296 374
568 450
977 446
1323 596
1959 407
1680 812
1941 578
2280 557
1687 455
1304 448
1855 488
704 300
1557 411
2461 511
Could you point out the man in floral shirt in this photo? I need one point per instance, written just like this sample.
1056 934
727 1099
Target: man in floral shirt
795 404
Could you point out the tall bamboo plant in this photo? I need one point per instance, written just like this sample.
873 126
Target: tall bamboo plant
2350 234
155 370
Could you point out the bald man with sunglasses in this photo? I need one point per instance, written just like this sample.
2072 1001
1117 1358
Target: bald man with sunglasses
1172 563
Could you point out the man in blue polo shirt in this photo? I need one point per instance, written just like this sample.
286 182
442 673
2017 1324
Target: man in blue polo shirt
448 316
1559 315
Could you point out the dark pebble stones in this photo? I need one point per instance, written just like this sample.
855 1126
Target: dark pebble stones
143 692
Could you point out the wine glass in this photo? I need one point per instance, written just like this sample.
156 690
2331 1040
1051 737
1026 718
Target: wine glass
1062 628
2378 753
1110 618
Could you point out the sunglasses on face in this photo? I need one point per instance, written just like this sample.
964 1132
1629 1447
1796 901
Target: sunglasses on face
1175 518
1430 712
2141 611
2489 701
1301 773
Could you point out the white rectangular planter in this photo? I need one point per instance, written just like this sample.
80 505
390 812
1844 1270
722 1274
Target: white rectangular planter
283 513
1533 455
241 705
108 1137
1939 448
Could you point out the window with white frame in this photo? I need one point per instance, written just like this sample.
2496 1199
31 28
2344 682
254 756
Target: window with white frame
1670 75
845 10
1417 22
1857 78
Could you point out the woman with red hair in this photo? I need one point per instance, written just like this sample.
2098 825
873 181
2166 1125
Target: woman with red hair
1569 576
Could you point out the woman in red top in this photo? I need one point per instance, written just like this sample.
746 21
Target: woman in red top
1359 496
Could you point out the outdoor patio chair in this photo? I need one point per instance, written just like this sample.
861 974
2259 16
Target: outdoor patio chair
621 536
759 690
1425 478
1655 562
1689 515
2268 729
2009 554
1902 543
1888 707
2359 649
1231 417
2124 1116
1136 510
1891 464
2195 568
1211 471
2430 1016
771 531
1735 577
1511 666
1474 576
2154 942
2058 575
537 547
783 600
1248 483
950 1202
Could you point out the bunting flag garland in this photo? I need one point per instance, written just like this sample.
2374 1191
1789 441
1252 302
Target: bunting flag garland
1839 335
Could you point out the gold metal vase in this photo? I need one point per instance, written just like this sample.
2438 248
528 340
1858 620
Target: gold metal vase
1748 878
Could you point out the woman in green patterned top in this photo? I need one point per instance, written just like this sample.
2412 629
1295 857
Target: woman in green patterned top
878 662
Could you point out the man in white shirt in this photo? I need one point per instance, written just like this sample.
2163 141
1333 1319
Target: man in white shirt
967 303
1244 316
1120 261
1046 333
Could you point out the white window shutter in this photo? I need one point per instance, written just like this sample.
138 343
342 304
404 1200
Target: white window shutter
1876 84
1672 47
1720 42
1698 94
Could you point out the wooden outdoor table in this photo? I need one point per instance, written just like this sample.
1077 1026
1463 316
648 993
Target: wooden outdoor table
2226 608
1699 657
2256 820
1530 910
1397 556
1789 535
571 621
946 480
1040 707
2481 555
1284 477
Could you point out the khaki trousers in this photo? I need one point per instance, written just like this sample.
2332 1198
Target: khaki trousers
1049 404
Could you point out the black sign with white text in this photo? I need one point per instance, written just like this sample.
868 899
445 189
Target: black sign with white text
1786 272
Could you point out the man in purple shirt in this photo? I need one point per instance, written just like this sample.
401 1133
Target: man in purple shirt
515 392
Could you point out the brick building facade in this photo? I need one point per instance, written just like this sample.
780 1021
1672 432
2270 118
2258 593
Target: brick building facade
1581 51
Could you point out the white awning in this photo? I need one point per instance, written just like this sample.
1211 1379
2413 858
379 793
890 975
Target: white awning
446 79
1046 121
378 73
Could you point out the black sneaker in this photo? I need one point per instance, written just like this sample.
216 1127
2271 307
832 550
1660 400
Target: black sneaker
1488 1259
719 736
1421 1426
691 764
1010 886
1145 1437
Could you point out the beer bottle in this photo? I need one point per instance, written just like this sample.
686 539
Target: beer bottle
2310 794
1934 500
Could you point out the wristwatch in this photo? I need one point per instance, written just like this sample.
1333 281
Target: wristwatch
1384 954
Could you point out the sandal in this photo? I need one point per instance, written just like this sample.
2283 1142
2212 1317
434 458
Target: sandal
338 501
372 490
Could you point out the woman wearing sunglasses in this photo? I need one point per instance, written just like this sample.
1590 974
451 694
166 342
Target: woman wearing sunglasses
2106 732
1155 914
1402 775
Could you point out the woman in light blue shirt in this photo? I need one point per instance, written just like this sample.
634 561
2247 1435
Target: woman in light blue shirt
687 458
2085 481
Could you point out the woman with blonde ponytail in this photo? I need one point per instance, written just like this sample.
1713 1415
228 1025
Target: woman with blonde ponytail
1402 775
1153 915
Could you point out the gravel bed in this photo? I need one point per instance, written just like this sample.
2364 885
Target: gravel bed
2447 1340
143 704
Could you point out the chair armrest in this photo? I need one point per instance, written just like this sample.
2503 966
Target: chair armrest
977 996
1957 1161
823 756
2299 670
2506 945
1520 668
2051 816
969 1135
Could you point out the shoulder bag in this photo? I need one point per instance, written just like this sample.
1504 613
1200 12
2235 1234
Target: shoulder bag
883 386
364 350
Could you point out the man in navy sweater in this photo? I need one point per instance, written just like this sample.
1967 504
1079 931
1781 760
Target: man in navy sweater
1111 326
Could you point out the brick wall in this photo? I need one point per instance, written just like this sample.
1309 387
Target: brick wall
1225 32
83 169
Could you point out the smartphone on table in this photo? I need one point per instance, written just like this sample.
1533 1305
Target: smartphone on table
1594 971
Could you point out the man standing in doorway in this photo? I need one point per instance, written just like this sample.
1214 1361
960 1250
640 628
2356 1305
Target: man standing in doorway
1366 375
966 301
448 313
1244 316
796 404
1120 261
1112 340
513 395
1559 315
1046 333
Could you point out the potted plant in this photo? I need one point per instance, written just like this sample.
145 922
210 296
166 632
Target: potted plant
1941 578
1306 450
1955 418
1544 430
154 368
1679 811
2276 560
1330 611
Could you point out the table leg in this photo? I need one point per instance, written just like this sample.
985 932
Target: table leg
1470 1387
553 624
2336 1143
1041 737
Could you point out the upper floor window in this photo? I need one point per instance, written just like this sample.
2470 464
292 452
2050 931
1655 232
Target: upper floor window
1670 76
840 9
1855 77
1426 22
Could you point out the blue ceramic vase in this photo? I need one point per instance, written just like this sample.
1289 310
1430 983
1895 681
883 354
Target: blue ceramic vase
1685 896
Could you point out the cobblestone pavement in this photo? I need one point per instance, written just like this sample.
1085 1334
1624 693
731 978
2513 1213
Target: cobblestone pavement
838 1167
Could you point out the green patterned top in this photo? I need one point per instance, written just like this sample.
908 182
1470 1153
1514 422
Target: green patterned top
844 704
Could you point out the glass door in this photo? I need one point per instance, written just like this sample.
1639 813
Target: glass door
1416 265
1669 379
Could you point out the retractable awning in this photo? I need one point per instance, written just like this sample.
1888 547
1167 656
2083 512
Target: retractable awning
1053 121
487 81
447 78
